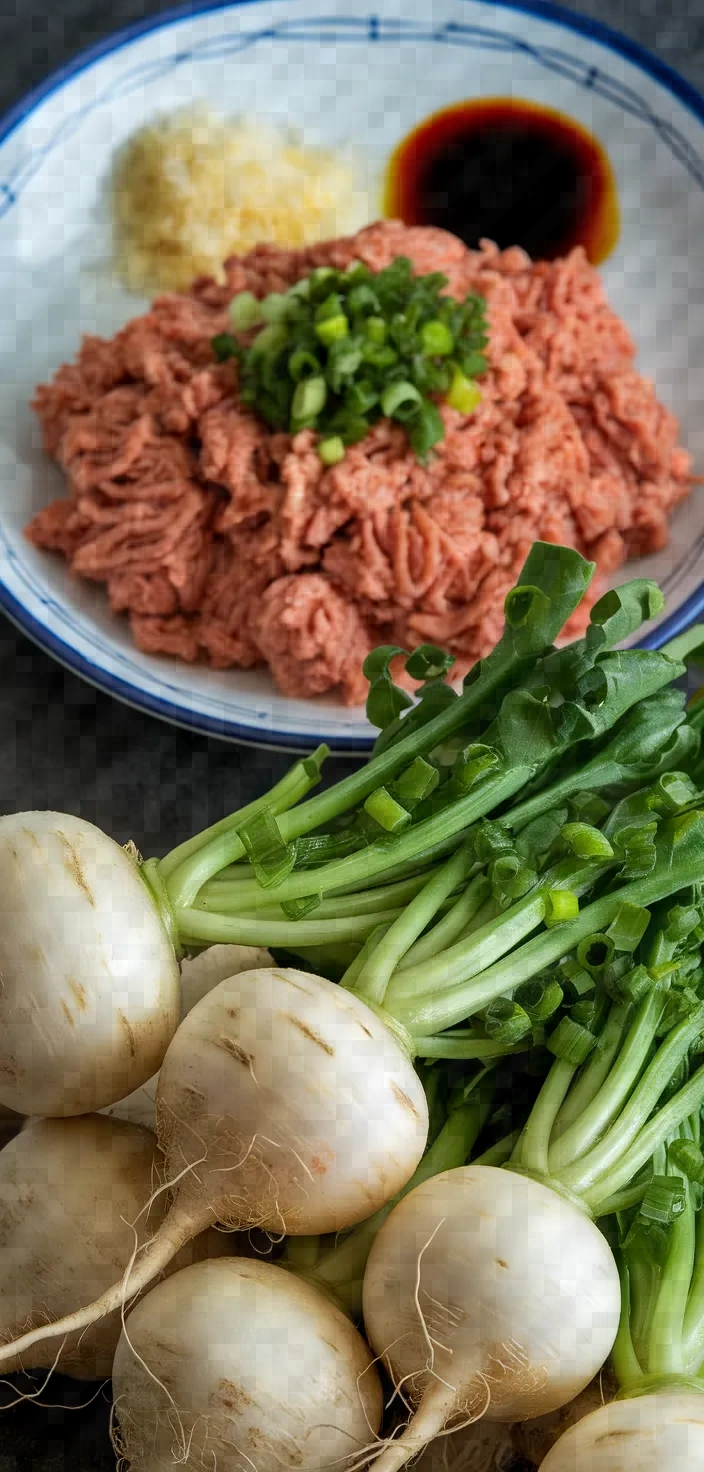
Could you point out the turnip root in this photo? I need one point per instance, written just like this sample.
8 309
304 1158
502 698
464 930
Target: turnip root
90 994
488 1295
236 1364
649 1433
69 1191
198 977
284 1102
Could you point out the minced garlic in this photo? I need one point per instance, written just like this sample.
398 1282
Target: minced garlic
192 188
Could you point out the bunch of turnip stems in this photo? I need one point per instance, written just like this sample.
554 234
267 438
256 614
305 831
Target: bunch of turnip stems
456 1098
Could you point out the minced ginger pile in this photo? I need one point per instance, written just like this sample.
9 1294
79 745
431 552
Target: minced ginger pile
225 542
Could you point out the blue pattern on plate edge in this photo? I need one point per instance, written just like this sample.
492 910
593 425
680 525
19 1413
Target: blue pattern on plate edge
353 30
345 30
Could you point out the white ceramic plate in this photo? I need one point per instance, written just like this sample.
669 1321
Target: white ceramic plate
340 74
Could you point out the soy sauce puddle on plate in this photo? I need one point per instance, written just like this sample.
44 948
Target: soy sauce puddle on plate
510 171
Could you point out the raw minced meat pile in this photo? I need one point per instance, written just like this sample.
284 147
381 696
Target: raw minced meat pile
225 542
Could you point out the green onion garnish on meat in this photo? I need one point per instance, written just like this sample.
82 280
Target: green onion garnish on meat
342 349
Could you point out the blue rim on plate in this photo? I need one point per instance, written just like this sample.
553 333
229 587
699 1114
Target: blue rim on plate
123 690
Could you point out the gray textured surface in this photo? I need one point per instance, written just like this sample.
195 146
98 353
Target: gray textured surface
62 745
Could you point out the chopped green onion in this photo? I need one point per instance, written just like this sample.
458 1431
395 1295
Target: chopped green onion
560 905
271 858
681 921
303 364
477 762
309 398
635 984
297 909
686 1157
637 844
275 306
361 396
672 792
506 1022
664 1200
464 394
344 358
587 842
571 1042
427 429
628 927
436 339
269 341
417 782
510 878
490 840
329 308
588 807
332 329
331 450
540 998
362 298
246 311
375 329
379 355
576 981
386 811
595 952
385 343
585 1013
665 971
397 396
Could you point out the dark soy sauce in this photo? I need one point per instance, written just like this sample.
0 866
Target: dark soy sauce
508 171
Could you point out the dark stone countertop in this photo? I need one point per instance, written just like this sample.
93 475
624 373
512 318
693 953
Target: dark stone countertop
64 745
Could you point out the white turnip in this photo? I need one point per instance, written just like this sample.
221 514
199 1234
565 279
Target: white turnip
198 977
90 994
69 1191
284 1102
647 1433
238 1364
488 1295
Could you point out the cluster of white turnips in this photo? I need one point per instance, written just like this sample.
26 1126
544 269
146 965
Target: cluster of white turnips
163 1102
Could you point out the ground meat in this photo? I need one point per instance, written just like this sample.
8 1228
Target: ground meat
224 542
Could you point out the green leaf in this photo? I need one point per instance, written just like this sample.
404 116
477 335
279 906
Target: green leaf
385 701
617 682
428 662
620 612
378 660
523 730
432 700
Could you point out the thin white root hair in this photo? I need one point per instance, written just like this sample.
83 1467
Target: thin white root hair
416 1294
123 1317
33 1394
